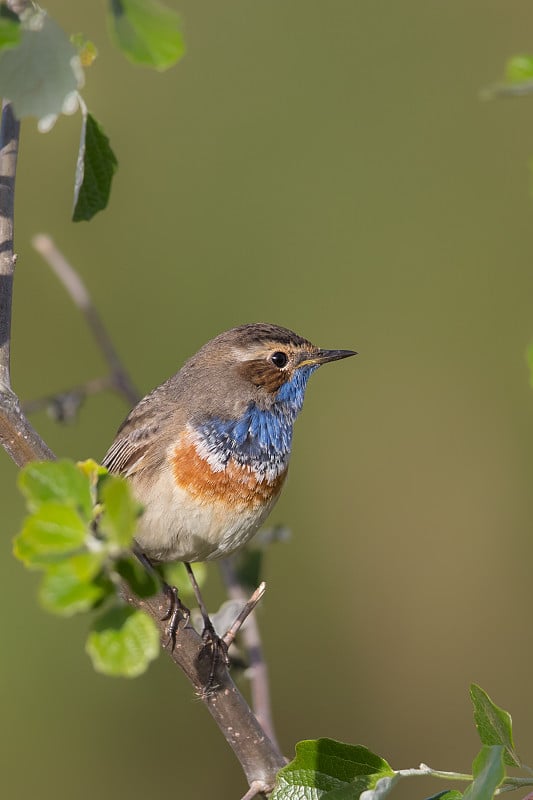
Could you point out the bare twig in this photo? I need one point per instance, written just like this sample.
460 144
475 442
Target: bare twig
507 90
63 406
17 436
257 788
80 296
257 671
246 610
259 757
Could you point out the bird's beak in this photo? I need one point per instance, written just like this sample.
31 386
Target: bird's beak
323 356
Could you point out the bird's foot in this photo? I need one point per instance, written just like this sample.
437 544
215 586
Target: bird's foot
175 613
217 650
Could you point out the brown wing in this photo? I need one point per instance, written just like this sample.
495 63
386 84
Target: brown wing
128 453
142 439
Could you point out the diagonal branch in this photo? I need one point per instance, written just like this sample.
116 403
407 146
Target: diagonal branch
64 406
80 296
257 671
259 757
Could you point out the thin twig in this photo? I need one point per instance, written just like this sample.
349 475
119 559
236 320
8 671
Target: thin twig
246 610
520 89
258 788
81 298
257 671
63 406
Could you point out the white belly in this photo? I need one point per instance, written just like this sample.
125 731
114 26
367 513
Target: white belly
176 526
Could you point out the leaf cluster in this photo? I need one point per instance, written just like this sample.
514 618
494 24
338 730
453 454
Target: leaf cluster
42 74
79 534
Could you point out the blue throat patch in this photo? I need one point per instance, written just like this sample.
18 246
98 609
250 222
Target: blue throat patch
260 439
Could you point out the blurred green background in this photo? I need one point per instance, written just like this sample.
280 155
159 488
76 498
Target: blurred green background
331 168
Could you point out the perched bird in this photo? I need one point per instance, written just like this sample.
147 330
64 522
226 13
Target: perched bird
207 452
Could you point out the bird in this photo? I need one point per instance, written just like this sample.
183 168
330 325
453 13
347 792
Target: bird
207 452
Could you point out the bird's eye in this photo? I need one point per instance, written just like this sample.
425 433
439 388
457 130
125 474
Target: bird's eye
279 359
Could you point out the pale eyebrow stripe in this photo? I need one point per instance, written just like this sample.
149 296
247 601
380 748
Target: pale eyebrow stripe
247 354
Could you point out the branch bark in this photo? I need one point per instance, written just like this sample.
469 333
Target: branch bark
17 436
259 757
257 669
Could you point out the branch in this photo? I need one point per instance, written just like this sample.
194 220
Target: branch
259 757
246 610
17 436
257 671
63 406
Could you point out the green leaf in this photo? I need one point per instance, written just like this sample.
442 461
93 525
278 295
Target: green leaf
123 642
68 587
374 787
147 32
95 168
447 794
342 761
43 73
327 768
84 567
53 532
121 512
489 771
494 725
59 481
519 68
92 470
9 28
140 581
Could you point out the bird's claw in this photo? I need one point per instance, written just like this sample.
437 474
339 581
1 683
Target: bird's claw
217 644
217 649
174 614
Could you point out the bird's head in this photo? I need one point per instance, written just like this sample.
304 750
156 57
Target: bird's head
259 363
